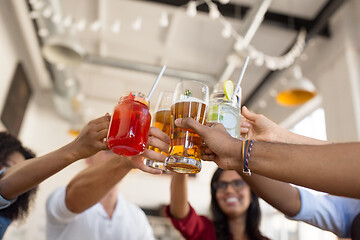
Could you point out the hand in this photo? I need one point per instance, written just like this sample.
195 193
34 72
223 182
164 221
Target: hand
220 147
91 138
258 127
158 139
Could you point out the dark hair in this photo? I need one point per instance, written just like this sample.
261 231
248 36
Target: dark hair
9 145
221 222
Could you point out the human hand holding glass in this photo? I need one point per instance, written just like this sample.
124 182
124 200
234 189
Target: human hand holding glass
161 121
220 147
190 100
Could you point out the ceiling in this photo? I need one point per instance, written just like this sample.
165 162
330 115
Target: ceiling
188 45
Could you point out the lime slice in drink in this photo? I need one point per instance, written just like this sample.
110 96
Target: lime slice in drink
214 114
228 89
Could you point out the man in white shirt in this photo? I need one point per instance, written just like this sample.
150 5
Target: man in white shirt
91 208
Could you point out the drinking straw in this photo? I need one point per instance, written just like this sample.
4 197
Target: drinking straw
241 77
156 82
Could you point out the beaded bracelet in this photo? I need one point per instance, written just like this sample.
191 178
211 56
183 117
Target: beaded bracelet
246 156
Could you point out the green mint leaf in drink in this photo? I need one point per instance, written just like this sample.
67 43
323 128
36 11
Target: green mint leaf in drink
188 93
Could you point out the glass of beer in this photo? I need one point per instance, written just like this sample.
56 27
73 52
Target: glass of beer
161 120
190 100
129 125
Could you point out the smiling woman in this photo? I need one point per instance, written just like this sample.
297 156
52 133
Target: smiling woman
235 209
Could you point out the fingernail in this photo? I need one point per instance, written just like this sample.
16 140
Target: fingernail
178 121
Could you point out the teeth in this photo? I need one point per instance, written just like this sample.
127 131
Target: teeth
231 200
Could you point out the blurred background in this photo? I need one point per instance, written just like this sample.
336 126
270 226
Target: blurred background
66 62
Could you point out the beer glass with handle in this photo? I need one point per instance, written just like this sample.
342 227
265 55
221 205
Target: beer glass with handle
161 120
190 100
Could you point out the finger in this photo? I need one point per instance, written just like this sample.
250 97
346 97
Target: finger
102 134
150 170
101 119
208 157
101 126
249 115
244 130
154 155
159 134
190 123
210 124
245 123
155 142
102 146
208 151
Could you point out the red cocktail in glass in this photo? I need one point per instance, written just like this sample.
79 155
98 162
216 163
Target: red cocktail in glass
129 126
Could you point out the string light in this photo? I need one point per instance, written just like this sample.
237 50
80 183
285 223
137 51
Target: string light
68 21
191 9
226 32
137 24
259 58
95 26
116 27
81 24
224 1
56 18
164 20
34 14
47 12
213 11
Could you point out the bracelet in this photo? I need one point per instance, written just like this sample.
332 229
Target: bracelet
246 157
243 151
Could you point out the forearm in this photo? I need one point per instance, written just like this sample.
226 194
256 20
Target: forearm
280 195
92 184
26 175
287 136
179 206
332 168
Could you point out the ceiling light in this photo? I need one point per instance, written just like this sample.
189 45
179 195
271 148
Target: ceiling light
298 90
191 9
63 50
262 104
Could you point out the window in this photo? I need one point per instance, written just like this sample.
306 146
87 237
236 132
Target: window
313 125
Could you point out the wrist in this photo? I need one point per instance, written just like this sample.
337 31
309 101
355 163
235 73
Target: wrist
236 158
69 153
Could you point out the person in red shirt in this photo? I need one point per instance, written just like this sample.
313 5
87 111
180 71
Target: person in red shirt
234 207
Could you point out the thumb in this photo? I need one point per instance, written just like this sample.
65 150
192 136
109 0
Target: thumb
190 123
247 114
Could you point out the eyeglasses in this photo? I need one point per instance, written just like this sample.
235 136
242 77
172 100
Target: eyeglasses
237 184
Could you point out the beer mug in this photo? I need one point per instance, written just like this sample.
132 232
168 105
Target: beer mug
161 120
190 100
